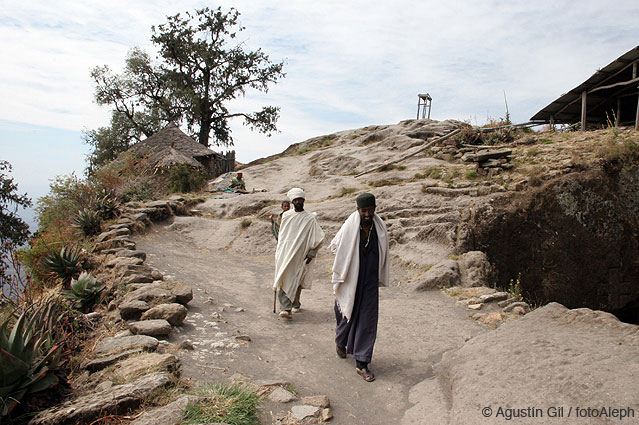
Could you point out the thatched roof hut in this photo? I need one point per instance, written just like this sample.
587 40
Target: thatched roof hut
171 146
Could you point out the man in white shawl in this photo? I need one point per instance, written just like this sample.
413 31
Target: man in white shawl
298 241
360 267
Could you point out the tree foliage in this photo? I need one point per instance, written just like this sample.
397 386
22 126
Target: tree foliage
200 69
12 228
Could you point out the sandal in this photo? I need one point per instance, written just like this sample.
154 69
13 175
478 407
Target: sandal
341 352
285 314
366 374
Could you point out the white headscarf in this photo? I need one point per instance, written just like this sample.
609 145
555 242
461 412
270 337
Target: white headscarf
295 193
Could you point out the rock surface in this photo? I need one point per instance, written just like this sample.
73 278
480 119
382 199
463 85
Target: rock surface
117 399
173 313
170 414
114 345
155 327
443 274
552 357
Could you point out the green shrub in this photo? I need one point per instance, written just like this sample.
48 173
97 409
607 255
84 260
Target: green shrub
88 221
183 178
471 175
65 264
137 189
85 291
29 352
66 193
106 204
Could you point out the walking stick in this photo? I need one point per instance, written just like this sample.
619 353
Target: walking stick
274 299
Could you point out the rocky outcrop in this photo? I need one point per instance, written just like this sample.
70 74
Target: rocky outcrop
571 240
553 357
117 399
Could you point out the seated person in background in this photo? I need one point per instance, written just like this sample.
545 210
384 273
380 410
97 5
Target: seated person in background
237 184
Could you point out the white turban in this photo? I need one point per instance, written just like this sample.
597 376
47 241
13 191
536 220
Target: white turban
295 193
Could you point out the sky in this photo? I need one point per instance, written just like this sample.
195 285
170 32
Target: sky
349 64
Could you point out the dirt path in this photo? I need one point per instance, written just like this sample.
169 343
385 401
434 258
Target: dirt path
414 329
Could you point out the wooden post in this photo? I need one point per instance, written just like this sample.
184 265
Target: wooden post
552 122
584 98
634 70
618 120
637 117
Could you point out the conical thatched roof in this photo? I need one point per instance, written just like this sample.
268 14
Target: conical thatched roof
167 159
169 136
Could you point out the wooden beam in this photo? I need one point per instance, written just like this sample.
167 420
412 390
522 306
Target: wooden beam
584 101
621 83
634 70
429 144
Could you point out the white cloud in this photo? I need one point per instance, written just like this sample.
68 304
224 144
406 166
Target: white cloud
349 64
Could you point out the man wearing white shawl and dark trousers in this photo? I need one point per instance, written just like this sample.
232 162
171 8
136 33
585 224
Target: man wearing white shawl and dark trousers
360 267
299 239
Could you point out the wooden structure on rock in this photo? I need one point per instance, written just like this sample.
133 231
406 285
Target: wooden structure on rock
171 146
609 97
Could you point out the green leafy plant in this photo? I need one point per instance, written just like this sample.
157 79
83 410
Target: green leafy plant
65 264
106 204
88 221
85 290
29 352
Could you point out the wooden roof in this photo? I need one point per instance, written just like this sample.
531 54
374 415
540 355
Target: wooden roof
613 88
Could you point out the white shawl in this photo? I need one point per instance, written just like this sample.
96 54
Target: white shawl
299 233
345 245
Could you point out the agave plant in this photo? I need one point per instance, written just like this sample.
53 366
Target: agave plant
88 221
29 353
65 264
84 291
106 205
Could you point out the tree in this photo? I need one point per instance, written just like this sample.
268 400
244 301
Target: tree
196 76
13 230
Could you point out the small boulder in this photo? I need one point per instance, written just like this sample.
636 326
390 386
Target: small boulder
301 412
173 313
497 296
317 401
134 367
280 395
443 274
113 234
183 292
114 345
132 310
131 253
124 262
474 268
155 327
167 415
152 295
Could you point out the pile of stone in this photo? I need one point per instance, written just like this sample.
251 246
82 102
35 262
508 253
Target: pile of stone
498 306
487 158
309 409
